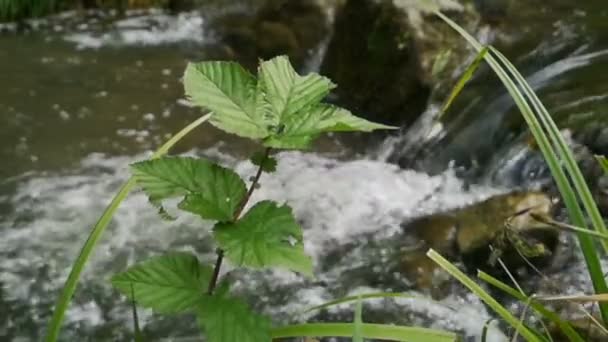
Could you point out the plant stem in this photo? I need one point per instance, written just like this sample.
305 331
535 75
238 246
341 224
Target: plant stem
241 207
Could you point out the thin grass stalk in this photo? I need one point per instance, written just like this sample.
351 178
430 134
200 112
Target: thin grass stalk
587 245
520 327
70 284
368 331
564 326
564 151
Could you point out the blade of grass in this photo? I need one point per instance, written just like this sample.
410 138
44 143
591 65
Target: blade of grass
484 331
564 151
564 326
70 284
603 162
574 210
484 296
568 194
569 227
362 297
368 330
358 333
466 76
582 298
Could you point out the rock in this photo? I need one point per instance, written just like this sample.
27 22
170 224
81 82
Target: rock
382 57
467 234
278 27
373 60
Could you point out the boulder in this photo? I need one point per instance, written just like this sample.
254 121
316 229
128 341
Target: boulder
470 235
277 27
372 58
382 55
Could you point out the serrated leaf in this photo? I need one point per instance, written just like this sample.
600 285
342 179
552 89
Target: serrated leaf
167 284
226 319
287 92
211 191
267 235
230 92
302 128
281 107
267 163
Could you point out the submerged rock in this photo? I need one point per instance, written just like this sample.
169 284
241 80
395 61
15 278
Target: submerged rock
471 234
464 236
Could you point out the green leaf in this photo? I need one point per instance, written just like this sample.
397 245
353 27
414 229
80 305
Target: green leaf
287 92
268 163
225 319
300 129
505 314
281 107
466 76
603 162
211 191
267 235
89 246
384 332
170 283
231 92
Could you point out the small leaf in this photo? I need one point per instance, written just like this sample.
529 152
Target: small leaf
267 235
302 128
267 163
231 93
170 283
211 191
226 319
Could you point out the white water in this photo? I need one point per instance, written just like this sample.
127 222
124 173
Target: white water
335 201
154 28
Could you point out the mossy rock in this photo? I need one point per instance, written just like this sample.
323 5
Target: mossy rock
277 27
469 235
373 60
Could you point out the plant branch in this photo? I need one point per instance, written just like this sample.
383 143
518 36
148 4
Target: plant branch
241 207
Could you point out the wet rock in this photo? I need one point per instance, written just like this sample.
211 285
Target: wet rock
373 59
471 234
278 27
382 57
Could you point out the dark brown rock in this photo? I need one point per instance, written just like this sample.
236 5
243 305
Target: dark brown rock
372 57
279 27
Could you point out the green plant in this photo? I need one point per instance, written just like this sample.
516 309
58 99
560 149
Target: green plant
281 110
567 175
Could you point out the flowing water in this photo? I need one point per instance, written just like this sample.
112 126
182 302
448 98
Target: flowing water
81 101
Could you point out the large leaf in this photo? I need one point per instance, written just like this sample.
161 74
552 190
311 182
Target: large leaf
230 91
281 107
211 191
170 283
267 235
226 319
300 129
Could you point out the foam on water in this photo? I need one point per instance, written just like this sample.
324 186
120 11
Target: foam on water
152 29
335 201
